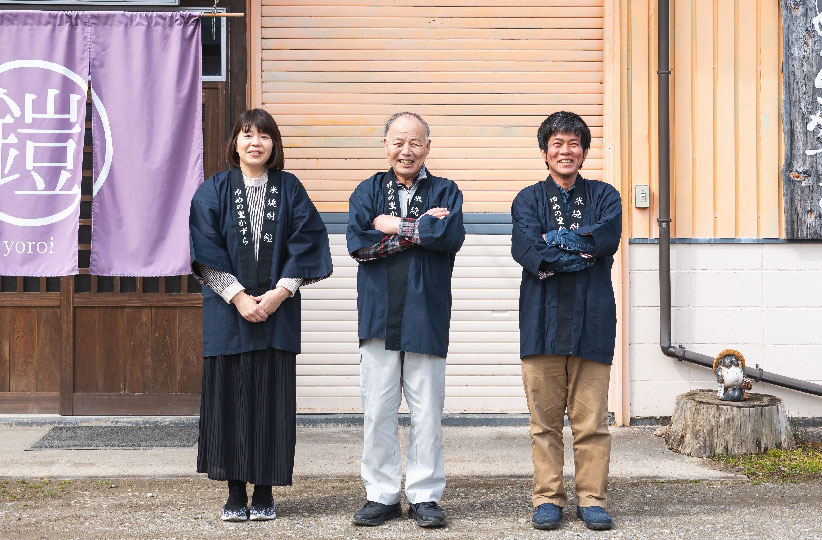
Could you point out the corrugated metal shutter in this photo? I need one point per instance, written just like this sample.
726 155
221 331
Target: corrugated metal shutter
484 76
482 373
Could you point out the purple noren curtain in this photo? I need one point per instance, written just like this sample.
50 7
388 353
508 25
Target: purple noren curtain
147 142
43 80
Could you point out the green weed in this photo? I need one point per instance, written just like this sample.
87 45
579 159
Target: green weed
777 465
32 489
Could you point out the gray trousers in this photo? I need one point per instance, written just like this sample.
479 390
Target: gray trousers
384 377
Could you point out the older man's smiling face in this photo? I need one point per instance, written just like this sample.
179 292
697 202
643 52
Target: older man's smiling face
406 147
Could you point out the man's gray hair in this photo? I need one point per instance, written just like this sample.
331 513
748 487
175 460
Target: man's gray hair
412 115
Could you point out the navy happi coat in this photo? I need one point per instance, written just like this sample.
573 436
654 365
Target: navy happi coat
588 300
426 313
300 250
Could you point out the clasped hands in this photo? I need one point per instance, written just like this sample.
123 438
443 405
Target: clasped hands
391 224
258 308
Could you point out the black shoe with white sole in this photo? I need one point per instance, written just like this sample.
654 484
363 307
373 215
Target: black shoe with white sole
234 513
262 512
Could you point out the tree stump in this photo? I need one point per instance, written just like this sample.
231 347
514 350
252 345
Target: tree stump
702 425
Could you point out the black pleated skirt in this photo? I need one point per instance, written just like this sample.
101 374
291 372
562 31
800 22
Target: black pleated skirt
248 417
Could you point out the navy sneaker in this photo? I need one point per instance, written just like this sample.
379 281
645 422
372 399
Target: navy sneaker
547 516
595 517
374 513
427 514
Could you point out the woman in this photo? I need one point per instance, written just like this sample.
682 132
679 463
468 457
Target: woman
255 239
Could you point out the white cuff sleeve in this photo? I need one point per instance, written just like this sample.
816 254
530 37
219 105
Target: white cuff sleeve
292 284
229 292
222 283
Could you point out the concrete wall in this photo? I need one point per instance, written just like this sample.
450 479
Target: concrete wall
764 300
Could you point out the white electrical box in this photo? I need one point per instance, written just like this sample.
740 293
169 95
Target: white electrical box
642 196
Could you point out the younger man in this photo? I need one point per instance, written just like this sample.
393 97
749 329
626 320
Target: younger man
566 230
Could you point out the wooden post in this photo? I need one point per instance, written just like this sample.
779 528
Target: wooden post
67 345
802 121
702 425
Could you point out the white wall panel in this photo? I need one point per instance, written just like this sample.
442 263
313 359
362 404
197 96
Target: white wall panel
761 299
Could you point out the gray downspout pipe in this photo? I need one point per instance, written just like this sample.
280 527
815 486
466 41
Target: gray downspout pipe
664 220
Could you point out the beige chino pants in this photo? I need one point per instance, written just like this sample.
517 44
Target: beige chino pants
552 385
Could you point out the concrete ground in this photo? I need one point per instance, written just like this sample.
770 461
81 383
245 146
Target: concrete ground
155 493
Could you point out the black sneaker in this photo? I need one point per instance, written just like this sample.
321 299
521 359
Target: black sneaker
427 514
263 512
233 512
374 513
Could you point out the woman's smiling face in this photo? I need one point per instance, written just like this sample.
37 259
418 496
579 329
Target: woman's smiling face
254 148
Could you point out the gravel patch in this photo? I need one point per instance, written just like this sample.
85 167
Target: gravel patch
481 508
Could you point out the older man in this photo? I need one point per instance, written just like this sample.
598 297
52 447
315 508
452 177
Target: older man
566 230
404 229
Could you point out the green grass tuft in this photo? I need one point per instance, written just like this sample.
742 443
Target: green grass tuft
778 466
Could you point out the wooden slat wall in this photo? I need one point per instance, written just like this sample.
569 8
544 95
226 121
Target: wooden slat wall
145 350
29 349
483 370
484 76
726 132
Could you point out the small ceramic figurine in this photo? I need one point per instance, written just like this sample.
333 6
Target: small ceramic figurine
729 367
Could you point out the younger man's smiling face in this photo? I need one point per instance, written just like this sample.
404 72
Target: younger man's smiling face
564 155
